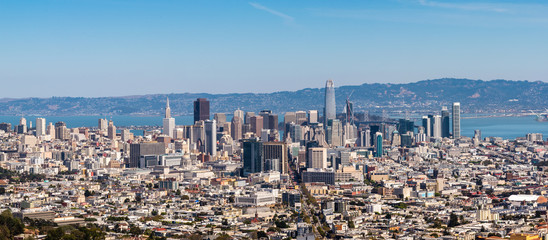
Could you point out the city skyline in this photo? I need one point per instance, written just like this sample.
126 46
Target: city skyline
120 48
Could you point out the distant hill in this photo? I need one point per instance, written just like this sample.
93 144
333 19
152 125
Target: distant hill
476 96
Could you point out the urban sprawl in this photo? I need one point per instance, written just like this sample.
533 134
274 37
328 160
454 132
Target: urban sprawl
306 176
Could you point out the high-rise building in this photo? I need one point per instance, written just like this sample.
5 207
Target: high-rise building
102 125
276 151
211 137
313 116
378 144
220 118
436 126
364 138
239 113
273 121
477 134
248 116
300 117
111 131
125 134
334 132
40 126
51 130
168 122
236 126
329 108
290 117
252 157
317 158
426 123
445 132
136 150
256 125
22 127
201 109
6 127
61 130
456 120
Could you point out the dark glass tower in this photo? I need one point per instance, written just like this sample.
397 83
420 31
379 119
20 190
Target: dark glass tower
445 132
201 109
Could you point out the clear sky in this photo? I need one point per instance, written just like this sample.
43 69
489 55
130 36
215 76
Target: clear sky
97 48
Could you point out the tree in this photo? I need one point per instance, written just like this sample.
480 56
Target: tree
453 220
10 226
261 234
351 224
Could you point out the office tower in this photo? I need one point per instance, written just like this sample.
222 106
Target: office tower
477 134
252 157
60 130
40 126
427 126
405 126
534 137
201 109
265 114
313 116
300 117
51 130
256 125
277 151
378 144
220 118
273 121
248 116
236 124
396 139
406 140
317 158
264 135
211 137
436 126
295 132
103 124
22 127
6 127
111 130
445 132
125 133
290 117
456 120
329 108
334 132
364 138
168 122
136 150
239 113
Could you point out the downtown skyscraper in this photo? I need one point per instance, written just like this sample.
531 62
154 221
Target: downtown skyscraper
201 109
168 122
456 120
329 111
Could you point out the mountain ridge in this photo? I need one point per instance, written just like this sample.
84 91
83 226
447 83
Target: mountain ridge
476 96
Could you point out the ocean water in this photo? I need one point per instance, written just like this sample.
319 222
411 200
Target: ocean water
505 127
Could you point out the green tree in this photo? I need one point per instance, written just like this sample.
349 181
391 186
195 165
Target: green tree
453 220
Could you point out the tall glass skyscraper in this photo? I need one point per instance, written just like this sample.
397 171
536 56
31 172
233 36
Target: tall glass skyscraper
445 123
329 111
456 120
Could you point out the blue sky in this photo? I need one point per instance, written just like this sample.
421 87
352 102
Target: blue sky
97 48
